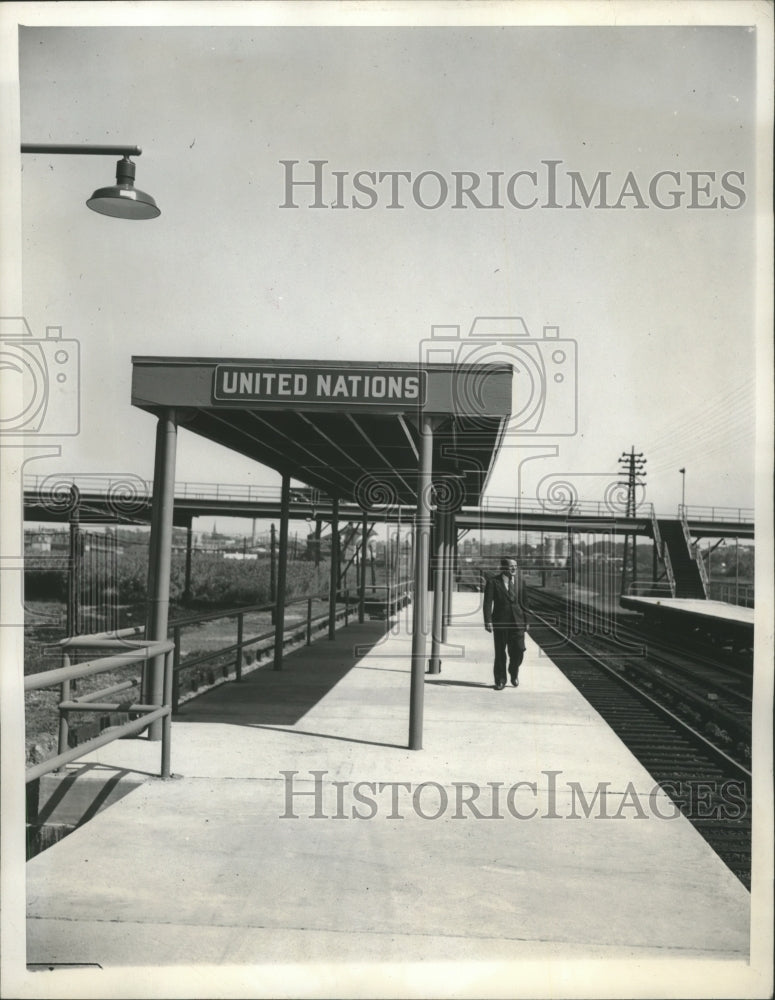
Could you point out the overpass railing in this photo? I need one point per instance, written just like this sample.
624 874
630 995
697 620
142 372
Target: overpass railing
568 507
239 492
131 651
127 487
740 515
216 491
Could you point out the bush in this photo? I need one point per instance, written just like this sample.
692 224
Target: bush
215 581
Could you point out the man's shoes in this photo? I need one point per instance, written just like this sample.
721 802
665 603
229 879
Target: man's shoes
515 681
500 686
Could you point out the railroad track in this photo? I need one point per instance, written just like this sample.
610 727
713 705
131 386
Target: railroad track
711 695
695 747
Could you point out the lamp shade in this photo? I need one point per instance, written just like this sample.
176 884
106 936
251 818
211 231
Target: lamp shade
123 200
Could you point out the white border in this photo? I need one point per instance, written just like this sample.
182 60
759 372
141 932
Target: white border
573 978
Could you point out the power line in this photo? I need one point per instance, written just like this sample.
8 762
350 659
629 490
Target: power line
745 386
740 420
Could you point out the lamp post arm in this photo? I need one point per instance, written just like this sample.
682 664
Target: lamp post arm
76 150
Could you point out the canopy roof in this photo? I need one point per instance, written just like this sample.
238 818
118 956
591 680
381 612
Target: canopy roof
350 429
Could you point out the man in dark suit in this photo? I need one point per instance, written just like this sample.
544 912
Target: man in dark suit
506 616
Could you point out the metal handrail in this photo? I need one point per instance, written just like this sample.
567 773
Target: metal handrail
694 550
290 630
669 570
128 648
242 642
649 588
732 592
62 677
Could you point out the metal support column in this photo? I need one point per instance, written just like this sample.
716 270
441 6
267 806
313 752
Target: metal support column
455 560
398 549
362 570
420 612
410 550
388 576
272 563
316 543
333 585
161 551
149 590
282 563
189 546
737 571
75 566
449 522
439 531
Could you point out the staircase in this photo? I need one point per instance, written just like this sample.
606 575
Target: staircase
686 573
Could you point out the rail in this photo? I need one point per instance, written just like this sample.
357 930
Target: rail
133 651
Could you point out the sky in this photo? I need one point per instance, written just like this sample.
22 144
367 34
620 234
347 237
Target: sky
659 304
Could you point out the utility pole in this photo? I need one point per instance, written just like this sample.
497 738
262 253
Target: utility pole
633 466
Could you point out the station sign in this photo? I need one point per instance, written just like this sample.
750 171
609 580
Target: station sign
373 386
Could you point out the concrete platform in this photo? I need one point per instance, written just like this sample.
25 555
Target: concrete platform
299 830
691 606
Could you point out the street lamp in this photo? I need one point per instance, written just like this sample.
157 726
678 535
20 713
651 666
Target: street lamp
683 489
121 200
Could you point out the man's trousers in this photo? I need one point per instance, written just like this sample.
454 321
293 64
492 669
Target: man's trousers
511 641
